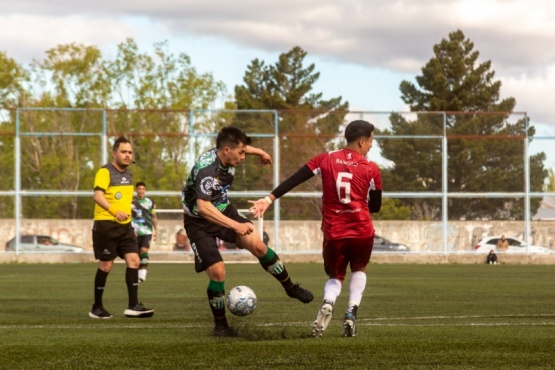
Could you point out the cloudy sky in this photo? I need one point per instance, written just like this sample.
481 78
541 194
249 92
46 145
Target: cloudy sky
362 48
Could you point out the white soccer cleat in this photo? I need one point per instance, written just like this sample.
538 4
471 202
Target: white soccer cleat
323 319
142 275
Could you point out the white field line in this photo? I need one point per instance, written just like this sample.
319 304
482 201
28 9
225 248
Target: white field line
363 322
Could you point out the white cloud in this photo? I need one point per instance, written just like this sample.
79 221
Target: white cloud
395 37
27 37
533 93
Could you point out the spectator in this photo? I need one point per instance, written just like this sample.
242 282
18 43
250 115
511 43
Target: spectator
492 258
181 242
502 244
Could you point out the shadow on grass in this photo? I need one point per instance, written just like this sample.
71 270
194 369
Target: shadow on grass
259 334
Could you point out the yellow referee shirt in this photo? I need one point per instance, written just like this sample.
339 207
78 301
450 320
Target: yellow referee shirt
118 191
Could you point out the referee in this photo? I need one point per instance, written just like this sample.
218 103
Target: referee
113 235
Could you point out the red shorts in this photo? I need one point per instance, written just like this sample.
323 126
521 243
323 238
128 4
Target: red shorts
338 254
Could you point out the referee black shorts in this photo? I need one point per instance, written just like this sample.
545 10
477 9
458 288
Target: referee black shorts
112 239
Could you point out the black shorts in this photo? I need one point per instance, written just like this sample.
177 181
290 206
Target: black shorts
144 241
111 240
202 235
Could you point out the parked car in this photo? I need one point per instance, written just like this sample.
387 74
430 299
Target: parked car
515 246
41 243
381 244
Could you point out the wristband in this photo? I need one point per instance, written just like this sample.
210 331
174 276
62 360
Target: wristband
268 200
113 210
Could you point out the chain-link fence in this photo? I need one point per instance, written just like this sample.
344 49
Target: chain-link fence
441 171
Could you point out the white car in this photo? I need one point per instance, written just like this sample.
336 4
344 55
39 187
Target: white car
41 243
515 246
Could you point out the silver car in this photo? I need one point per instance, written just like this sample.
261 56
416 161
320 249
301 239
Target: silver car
381 244
41 243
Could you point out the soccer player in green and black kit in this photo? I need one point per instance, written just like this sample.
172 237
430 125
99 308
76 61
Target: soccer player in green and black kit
145 223
210 215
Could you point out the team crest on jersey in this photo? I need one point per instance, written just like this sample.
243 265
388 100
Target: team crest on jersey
118 195
206 185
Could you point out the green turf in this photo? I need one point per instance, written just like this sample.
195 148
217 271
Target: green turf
412 317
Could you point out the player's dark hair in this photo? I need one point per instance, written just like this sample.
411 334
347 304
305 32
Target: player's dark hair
231 136
140 183
119 140
357 129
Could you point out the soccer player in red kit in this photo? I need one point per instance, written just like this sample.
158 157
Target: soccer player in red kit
352 189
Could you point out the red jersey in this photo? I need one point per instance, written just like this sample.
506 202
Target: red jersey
347 177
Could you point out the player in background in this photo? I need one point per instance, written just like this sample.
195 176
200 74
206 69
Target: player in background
145 223
113 236
352 189
209 215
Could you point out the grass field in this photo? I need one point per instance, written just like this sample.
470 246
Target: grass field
412 317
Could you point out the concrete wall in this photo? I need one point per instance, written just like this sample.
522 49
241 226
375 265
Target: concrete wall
305 236
242 256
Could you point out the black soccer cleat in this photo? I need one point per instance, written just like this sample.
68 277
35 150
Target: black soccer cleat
222 329
138 311
99 313
302 294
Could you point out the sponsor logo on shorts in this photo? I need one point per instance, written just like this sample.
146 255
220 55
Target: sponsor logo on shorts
197 256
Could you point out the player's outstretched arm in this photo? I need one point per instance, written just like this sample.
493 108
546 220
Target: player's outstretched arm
265 158
261 205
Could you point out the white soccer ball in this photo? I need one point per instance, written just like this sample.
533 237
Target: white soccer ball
241 300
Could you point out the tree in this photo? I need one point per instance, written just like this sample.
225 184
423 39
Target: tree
550 184
13 81
162 87
307 122
485 148
77 75
147 97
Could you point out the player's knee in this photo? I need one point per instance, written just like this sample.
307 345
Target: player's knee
257 248
106 266
132 260
216 272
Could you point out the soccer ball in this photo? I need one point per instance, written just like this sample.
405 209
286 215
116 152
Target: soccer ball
241 300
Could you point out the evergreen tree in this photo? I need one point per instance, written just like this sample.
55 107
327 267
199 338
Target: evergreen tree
307 123
485 147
